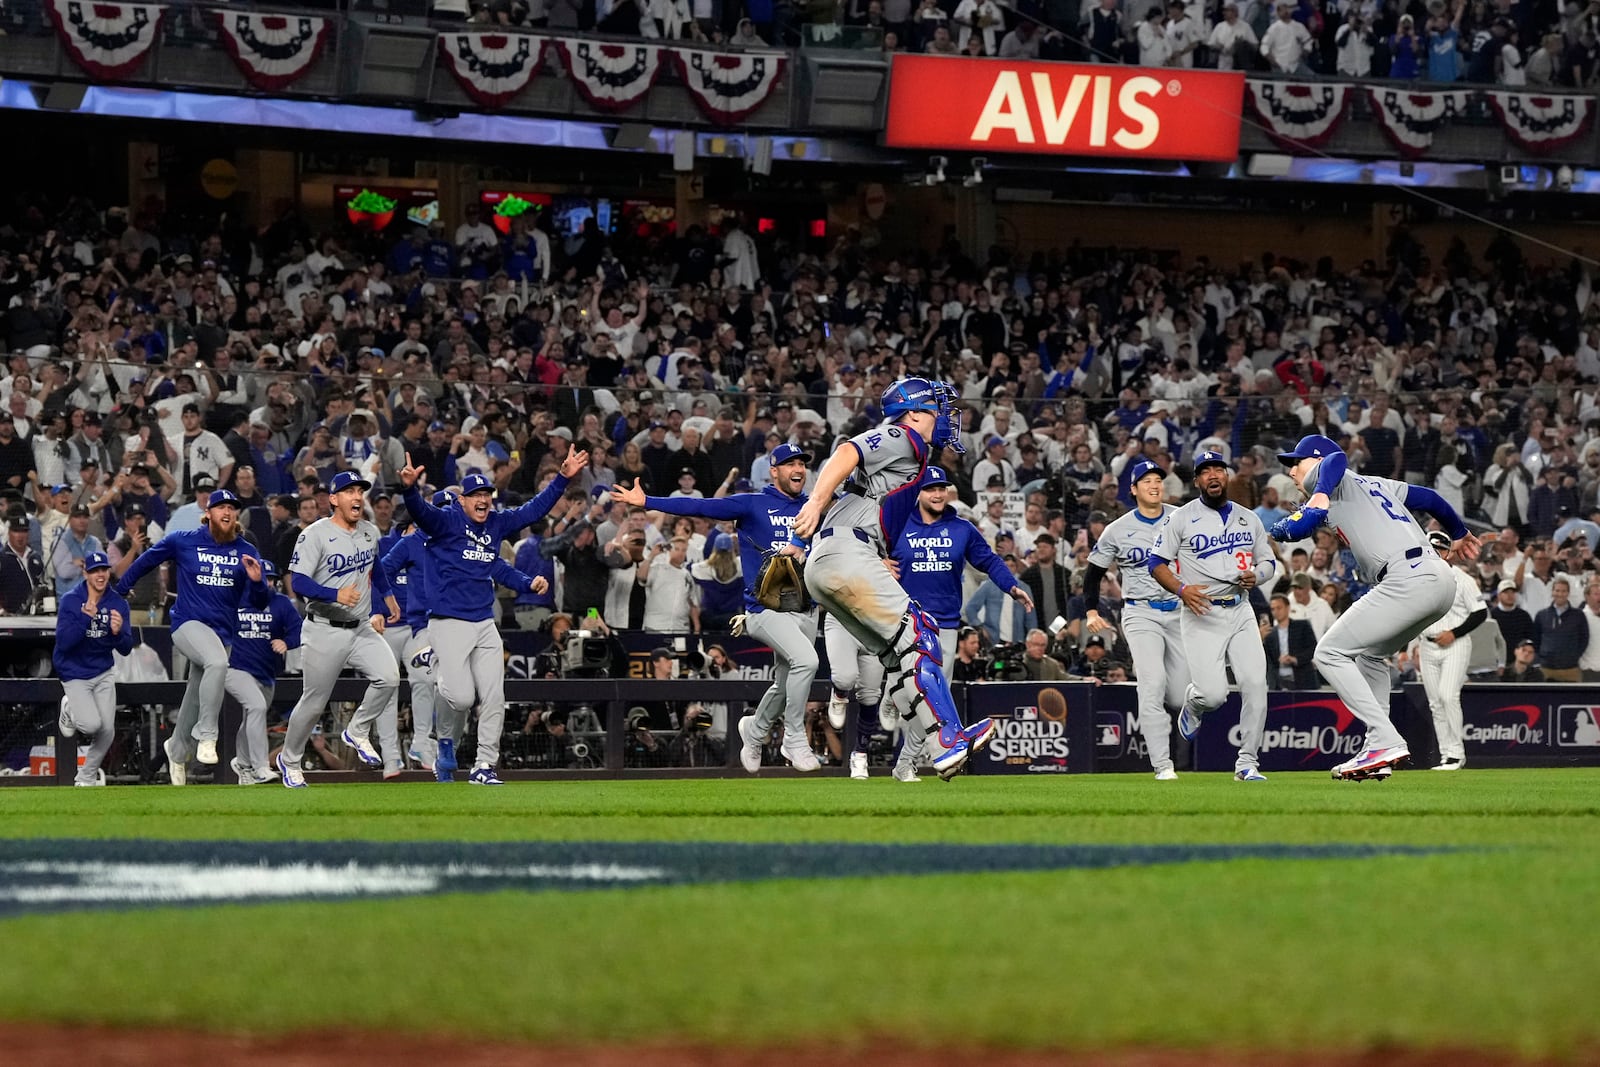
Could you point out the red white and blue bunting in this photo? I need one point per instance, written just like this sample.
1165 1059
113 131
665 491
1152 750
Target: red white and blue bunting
729 86
107 40
1299 114
273 51
1411 118
1541 123
611 75
492 67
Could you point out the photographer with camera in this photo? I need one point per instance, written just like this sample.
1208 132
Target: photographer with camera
21 569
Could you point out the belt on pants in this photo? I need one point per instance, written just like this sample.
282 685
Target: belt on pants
335 622
1227 601
1159 605
1411 553
860 534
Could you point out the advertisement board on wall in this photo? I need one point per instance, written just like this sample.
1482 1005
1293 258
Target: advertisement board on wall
1040 728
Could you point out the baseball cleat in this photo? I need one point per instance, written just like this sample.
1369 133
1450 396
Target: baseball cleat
423 660
205 751
952 760
484 775
245 772
445 762
1188 722
364 749
750 750
837 705
1370 762
858 766
177 760
293 778
417 758
1451 763
1247 774
979 734
391 773
905 772
64 721
96 782
1167 775
800 756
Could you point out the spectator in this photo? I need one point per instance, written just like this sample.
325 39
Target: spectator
1004 619
1516 625
1184 35
1289 643
22 569
73 544
672 598
1287 43
1407 51
1048 583
969 665
1305 605
1096 661
1544 70
1589 662
1522 668
1041 667
1356 44
1444 45
720 578
1563 635
1233 41
977 18
1154 47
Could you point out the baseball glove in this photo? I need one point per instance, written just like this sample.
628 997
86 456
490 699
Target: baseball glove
780 584
1299 525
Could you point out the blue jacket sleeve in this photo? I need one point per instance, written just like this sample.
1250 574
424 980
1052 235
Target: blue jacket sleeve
307 589
719 509
1421 498
431 520
981 556
509 522
1330 472
151 558
380 581
505 574
71 625
399 556
290 620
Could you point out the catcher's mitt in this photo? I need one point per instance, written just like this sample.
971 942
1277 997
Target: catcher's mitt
780 584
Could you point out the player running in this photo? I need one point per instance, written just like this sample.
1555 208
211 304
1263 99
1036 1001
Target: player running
1411 586
93 624
463 545
1222 553
879 472
254 665
1443 655
1151 619
930 559
763 521
336 570
215 575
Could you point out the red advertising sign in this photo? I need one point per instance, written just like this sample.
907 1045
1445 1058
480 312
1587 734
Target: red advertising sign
1076 109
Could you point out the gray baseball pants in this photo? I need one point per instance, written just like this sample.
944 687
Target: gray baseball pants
327 651
1412 596
208 677
1161 672
1226 636
92 706
255 698
793 639
424 693
470 668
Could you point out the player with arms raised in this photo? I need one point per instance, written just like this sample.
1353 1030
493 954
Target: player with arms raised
1411 586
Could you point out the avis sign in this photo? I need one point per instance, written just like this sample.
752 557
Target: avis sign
1064 109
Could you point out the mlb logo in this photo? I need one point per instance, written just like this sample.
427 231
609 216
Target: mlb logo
1110 735
1030 712
1578 726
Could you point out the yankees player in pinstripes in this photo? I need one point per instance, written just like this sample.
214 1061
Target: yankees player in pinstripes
463 547
1411 586
1218 547
336 570
763 520
1443 655
1152 619
879 471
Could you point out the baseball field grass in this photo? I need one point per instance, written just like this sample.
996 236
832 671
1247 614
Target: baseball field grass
1484 937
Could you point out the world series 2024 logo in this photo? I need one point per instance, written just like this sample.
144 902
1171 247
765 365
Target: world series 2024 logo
1578 726
1034 735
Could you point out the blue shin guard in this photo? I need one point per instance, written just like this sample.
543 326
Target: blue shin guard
916 688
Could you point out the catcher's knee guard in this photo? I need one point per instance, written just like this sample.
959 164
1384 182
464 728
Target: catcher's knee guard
915 687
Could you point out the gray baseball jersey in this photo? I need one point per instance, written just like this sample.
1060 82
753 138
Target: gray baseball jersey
1369 515
1125 544
892 458
1213 546
332 556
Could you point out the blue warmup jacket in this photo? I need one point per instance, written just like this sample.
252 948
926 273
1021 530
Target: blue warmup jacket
461 583
252 649
933 557
399 587
411 558
763 521
531 563
210 583
84 645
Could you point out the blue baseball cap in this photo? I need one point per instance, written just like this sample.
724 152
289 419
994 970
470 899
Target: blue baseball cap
345 479
723 543
933 476
476 483
96 561
786 452
442 498
1145 466
1311 446
994 439
268 570
221 497
1202 460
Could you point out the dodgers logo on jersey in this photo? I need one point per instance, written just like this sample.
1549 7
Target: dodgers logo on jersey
339 564
1135 557
1204 545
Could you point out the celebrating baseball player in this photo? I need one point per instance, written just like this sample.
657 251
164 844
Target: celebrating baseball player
879 472
463 545
1411 586
852 669
1222 553
92 623
336 570
401 636
1443 655
433 743
763 521
254 665
930 558
215 576
1151 619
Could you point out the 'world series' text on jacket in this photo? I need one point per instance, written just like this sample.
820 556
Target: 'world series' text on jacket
252 648
84 643
211 582
933 557
409 558
461 582
764 521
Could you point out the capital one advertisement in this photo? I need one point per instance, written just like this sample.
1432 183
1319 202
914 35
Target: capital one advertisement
1304 732
1039 728
999 105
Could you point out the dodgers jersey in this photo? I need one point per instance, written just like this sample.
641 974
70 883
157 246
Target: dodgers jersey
763 522
85 643
892 459
1369 515
210 581
335 557
934 555
1469 598
1213 546
1126 544
252 650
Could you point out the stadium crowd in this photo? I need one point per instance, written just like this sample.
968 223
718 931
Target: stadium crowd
150 364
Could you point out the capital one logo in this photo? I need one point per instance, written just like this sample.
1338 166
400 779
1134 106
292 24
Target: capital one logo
1505 731
1122 116
1330 739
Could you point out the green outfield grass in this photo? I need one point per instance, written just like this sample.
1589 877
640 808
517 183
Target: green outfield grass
1493 946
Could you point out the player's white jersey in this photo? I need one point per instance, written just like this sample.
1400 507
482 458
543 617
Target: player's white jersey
1214 546
332 556
1469 598
1125 544
1369 515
